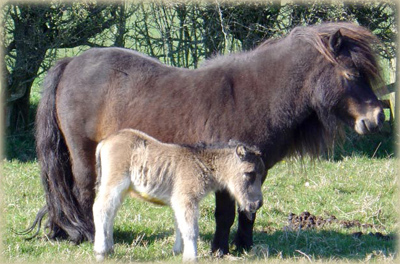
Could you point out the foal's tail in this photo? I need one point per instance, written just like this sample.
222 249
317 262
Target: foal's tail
65 217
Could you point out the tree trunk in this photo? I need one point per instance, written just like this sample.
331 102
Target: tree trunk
18 104
29 56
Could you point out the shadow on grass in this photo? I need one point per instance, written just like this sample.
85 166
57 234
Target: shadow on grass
142 238
133 238
316 244
322 244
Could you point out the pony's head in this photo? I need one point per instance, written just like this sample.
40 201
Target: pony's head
348 76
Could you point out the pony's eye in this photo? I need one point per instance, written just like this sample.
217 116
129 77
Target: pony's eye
350 75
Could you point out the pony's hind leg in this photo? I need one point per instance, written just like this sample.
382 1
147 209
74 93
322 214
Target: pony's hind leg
83 170
105 208
81 185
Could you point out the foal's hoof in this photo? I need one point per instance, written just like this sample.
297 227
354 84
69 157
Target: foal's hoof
190 259
100 257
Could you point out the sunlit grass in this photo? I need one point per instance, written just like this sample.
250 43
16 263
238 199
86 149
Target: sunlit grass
355 188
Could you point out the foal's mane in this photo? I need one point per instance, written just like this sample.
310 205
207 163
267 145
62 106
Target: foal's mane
201 146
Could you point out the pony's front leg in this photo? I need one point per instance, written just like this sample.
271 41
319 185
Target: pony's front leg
224 218
244 236
186 215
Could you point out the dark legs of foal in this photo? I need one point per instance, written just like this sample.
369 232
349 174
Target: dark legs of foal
224 217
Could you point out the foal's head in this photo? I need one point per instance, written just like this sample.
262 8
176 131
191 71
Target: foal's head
244 175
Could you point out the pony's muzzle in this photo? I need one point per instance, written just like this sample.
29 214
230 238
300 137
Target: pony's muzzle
371 122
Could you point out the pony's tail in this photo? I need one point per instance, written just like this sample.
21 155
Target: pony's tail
65 217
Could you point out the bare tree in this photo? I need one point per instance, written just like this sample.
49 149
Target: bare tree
30 31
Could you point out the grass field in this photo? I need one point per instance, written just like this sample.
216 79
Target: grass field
352 188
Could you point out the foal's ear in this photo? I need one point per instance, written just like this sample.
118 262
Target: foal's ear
335 42
241 151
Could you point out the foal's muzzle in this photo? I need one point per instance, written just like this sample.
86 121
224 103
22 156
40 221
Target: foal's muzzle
252 207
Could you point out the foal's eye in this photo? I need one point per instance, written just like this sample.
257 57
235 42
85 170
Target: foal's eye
250 175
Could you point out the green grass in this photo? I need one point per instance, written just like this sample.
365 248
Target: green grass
354 188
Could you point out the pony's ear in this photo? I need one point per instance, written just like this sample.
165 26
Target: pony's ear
241 151
335 42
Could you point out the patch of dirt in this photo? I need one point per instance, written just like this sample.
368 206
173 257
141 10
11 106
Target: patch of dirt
305 221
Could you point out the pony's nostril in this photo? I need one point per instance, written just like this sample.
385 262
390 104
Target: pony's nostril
381 117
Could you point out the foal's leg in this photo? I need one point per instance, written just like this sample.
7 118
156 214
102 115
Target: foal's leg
101 246
178 245
224 218
105 208
186 215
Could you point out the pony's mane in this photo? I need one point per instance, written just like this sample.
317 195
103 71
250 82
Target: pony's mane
313 137
358 39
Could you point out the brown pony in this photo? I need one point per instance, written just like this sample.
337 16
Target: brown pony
286 97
